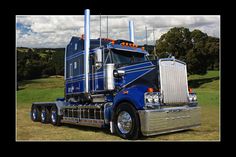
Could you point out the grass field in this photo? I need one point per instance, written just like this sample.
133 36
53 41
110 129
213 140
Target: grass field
47 89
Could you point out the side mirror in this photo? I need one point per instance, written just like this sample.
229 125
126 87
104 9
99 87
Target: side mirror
98 58
118 73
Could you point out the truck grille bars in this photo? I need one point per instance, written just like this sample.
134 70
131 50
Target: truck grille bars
173 81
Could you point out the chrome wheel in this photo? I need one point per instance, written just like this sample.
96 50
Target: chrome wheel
34 114
43 115
54 116
124 122
55 119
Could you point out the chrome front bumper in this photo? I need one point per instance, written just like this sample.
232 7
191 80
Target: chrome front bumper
160 121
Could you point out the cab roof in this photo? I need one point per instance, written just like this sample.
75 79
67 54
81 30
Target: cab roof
120 44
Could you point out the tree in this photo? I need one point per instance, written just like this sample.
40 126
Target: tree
196 61
196 57
58 60
175 43
212 46
196 48
35 63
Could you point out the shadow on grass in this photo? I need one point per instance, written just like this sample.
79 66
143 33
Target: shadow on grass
20 88
21 84
87 128
25 82
107 131
198 82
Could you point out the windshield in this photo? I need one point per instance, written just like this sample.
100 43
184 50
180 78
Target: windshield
127 57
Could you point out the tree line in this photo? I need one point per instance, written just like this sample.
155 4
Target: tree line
197 49
39 62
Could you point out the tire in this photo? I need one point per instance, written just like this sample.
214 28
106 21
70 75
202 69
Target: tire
45 115
35 113
126 121
55 119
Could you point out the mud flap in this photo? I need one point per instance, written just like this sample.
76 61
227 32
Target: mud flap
111 127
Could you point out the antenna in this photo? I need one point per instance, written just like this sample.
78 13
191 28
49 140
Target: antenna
146 35
107 26
154 42
100 30
153 36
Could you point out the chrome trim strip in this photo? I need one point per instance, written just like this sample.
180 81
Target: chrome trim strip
138 68
75 55
83 121
136 65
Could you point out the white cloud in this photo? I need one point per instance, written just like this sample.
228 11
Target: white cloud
56 31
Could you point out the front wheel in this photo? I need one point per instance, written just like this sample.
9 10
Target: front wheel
126 121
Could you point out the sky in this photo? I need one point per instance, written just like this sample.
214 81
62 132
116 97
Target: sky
44 31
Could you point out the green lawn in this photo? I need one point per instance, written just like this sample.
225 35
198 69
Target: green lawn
48 89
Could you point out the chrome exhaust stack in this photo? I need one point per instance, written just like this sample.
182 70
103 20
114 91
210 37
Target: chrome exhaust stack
131 31
86 49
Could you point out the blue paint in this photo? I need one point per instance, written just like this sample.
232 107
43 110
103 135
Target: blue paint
135 96
109 98
134 72
60 99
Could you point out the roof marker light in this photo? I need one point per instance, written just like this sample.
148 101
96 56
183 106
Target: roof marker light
150 90
125 92
190 90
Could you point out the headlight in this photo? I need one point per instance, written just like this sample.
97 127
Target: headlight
149 98
152 97
192 97
156 98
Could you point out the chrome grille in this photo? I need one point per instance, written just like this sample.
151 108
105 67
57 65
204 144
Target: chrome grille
173 80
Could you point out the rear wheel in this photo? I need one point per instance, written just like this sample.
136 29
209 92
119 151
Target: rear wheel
55 118
44 115
126 121
35 114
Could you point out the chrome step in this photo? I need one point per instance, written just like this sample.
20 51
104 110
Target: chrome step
98 98
84 121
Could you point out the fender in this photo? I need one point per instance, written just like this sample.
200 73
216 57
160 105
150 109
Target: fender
60 102
133 94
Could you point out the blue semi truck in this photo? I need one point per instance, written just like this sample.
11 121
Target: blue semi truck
112 83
